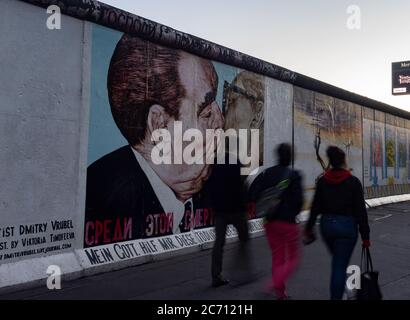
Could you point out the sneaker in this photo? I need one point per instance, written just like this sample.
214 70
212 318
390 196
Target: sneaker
219 281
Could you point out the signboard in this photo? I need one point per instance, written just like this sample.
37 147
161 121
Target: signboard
401 78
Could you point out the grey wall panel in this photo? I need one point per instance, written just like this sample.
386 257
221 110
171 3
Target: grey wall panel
41 114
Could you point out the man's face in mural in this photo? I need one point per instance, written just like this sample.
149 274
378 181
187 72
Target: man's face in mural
244 105
243 112
244 100
198 109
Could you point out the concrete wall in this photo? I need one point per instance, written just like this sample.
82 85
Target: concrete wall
278 115
43 130
55 121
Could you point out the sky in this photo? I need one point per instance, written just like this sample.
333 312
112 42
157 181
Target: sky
309 37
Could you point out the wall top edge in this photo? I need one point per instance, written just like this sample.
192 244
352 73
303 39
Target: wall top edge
114 18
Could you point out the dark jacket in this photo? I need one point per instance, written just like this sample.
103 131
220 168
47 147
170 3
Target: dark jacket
341 198
292 197
226 189
118 190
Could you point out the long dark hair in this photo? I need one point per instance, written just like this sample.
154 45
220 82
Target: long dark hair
337 157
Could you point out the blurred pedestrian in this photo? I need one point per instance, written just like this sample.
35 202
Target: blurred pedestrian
281 229
339 199
229 208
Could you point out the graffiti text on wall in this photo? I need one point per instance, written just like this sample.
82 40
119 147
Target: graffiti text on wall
35 239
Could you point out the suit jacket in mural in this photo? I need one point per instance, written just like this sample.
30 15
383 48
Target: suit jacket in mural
121 203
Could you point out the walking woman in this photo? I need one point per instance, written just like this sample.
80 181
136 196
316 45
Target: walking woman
284 236
339 199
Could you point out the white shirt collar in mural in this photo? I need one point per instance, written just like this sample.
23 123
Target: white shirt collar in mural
164 193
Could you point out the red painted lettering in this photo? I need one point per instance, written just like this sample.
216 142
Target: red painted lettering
89 237
98 231
107 233
206 216
127 228
170 217
118 232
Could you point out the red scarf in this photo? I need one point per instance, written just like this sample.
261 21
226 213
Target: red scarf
336 176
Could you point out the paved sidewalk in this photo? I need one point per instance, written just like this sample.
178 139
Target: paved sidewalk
188 277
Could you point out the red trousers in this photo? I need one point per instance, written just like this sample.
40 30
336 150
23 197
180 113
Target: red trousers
285 243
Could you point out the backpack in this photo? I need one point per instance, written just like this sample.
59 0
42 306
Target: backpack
269 199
